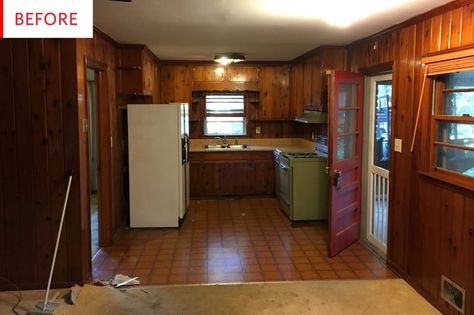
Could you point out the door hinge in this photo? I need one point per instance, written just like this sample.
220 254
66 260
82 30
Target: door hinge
85 125
111 142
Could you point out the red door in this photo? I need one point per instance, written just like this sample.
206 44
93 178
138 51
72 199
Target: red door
344 158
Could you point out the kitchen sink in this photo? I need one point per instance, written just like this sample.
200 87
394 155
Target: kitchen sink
225 146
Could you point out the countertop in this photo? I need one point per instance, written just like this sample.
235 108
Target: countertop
283 144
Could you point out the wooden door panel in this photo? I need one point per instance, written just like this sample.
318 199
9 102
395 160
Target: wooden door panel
345 149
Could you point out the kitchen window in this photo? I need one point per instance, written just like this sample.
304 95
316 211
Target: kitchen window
225 115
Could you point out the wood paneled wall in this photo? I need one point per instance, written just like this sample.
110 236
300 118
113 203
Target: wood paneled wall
39 148
430 225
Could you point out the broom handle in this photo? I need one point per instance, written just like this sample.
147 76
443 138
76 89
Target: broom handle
57 242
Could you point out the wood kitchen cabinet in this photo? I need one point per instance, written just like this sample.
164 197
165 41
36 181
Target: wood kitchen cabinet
225 78
135 70
307 84
176 84
296 90
243 73
231 173
274 93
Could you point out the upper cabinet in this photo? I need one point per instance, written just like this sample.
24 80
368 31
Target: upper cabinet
243 73
176 84
296 89
307 84
136 71
230 78
274 93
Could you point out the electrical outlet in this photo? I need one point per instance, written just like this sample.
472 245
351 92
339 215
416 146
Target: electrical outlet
257 130
398 145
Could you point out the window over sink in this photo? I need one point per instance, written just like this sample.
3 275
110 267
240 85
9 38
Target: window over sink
225 114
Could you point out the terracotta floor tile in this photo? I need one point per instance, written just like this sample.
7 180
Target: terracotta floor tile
144 264
290 275
234 241
346 274
304 267
322 267
160 271
253 276
197 278
309 275
178 278
272 276
327 274
287 267
339 266
364 274
269 267
357 266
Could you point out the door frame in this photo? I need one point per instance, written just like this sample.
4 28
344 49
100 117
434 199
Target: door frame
104 152
368 147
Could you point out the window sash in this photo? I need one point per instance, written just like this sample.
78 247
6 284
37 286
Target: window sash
232 119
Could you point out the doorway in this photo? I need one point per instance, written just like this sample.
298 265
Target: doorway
93 160
377 160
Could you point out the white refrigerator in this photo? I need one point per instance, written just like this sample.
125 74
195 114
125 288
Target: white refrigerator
158 152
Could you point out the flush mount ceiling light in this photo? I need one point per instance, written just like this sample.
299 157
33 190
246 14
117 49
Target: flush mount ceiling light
226 59
340 13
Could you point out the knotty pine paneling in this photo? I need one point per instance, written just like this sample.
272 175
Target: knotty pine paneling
430 223
38 130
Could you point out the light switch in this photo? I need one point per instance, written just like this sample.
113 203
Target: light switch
257 130
398 145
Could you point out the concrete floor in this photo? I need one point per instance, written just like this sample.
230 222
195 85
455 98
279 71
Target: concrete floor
393 296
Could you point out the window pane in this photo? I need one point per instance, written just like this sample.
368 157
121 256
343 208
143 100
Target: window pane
347 95
220 104
347 121
459 104
383 110
458 80
456 160
216 126
225 115
455 133
346 146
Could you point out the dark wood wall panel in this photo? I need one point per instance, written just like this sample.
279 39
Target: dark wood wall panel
430 224
36 159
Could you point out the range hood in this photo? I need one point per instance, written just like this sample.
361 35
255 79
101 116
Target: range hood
312 117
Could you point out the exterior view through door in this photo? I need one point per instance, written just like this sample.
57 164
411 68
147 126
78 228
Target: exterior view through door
377 159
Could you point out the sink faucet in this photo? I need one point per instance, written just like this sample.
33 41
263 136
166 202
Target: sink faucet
223 139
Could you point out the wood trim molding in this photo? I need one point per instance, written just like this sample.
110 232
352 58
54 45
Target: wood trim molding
101 33
377 69
96 65
459 52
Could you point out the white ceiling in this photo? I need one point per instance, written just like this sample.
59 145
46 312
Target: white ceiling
199 29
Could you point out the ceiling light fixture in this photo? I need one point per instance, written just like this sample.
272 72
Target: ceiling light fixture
226 59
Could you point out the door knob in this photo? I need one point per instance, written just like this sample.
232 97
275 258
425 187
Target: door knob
337 177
